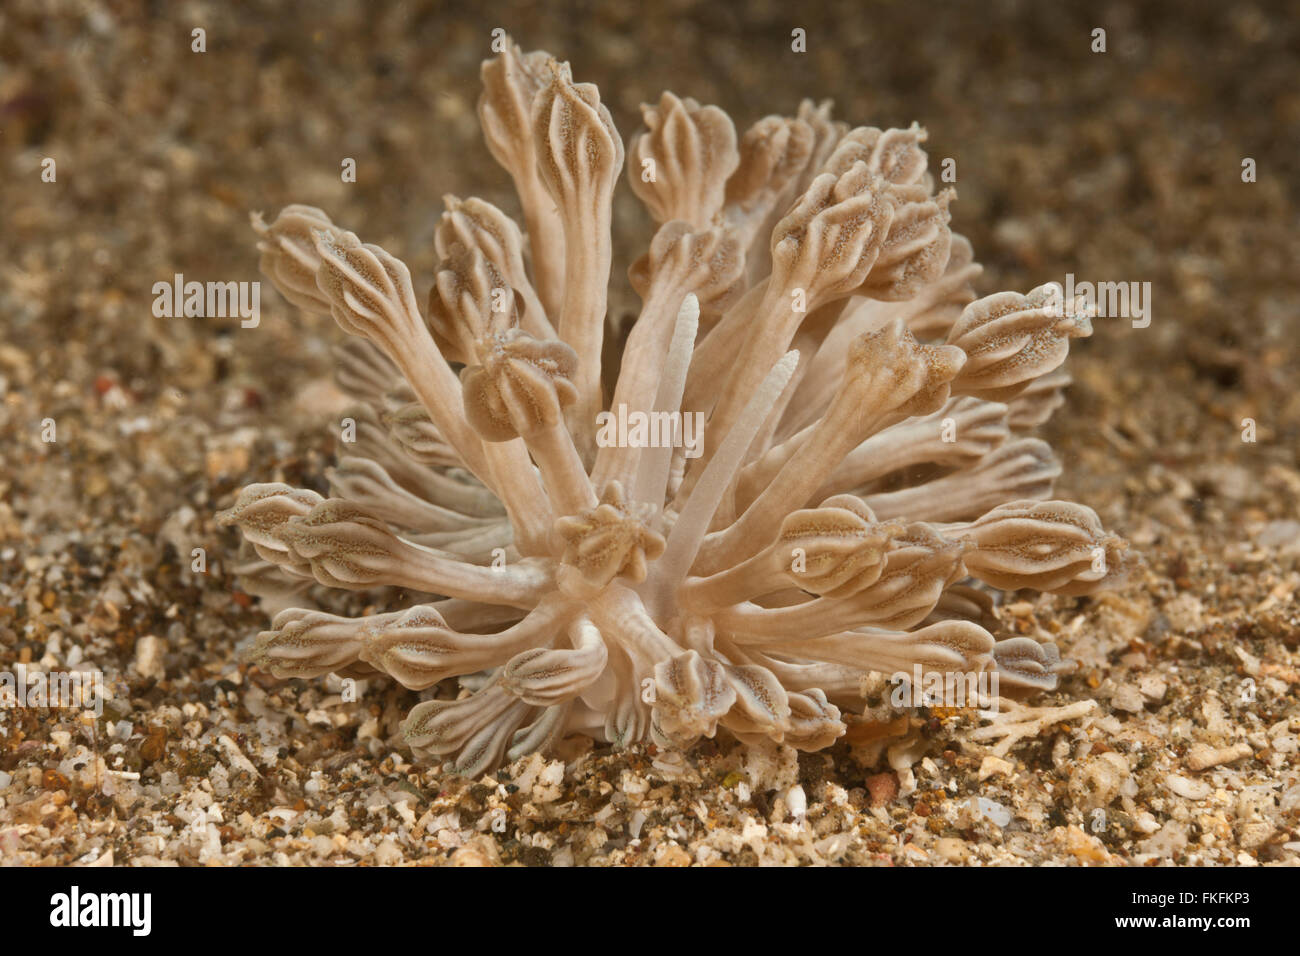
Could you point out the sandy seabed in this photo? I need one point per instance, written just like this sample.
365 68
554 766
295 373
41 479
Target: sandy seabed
1176 740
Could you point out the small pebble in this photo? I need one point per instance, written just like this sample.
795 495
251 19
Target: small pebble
1185 787
992 766
953 850
149 653
883 788
1202 757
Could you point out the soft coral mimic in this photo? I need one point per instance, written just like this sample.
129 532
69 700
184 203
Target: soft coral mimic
866 476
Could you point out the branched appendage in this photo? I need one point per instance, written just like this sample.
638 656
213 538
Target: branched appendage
815 464
1013 722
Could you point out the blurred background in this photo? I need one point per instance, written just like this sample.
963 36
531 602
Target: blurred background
1119 166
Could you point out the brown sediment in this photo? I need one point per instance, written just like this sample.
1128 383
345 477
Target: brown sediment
1125 168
